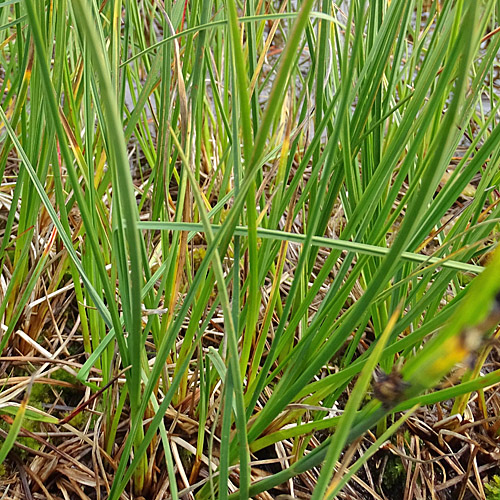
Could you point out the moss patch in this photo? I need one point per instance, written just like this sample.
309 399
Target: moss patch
493 489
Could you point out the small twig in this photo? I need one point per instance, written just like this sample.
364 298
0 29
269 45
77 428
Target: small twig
80 407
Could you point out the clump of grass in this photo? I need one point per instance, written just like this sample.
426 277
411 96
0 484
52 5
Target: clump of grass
244 215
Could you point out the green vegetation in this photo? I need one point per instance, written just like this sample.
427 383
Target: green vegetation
493 488
244 226
394 476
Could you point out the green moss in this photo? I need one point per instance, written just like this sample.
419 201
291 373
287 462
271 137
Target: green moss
3 471
186 457
493 489
394 475
29 425
64 376
198 255
43 395
79 420
70 395
40 393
